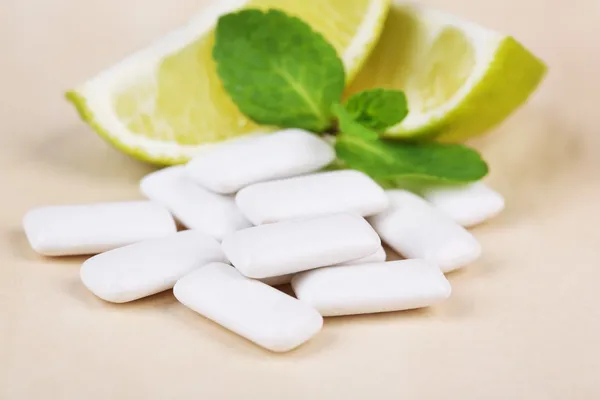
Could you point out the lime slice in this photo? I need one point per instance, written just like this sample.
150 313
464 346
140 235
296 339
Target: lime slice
165 103
461 79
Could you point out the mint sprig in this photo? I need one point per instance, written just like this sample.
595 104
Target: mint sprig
280 72
378 109
361 148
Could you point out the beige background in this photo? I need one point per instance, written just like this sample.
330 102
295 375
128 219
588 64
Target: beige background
523 322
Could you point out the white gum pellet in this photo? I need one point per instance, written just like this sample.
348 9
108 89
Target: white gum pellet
94 228
372 288
145 268
230 167
250 308
378 256
287 247
312 195
194 206
415 229
468 205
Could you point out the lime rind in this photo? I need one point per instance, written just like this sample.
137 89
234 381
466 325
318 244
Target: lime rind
509 80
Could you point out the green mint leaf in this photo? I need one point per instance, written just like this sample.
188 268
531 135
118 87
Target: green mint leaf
277 70
390 161
349 126
378 109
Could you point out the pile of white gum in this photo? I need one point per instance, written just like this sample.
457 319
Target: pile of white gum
258 214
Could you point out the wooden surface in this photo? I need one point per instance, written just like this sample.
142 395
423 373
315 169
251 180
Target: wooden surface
522 323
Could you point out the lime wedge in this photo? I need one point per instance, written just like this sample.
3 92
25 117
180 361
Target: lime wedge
165 103
460 78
